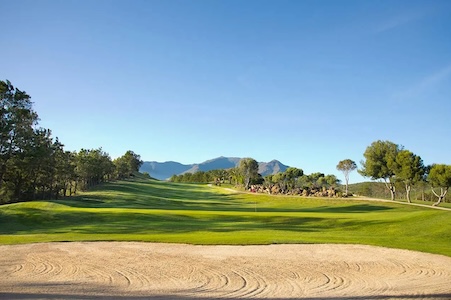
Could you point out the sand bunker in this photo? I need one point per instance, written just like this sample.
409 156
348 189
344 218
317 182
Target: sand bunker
120 270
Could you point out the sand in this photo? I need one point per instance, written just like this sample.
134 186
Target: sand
131 270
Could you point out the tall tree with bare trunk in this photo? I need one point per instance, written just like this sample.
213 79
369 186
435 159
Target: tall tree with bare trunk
346 167
409 169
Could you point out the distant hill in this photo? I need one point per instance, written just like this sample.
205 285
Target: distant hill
214 164
164 170
272 167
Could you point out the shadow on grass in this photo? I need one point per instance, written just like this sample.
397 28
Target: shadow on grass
174 196
154 195
149 207
356 208
34 221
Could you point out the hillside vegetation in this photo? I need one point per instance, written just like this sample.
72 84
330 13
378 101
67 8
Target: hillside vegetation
149 210
421 193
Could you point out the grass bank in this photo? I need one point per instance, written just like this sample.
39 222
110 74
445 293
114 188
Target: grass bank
147 210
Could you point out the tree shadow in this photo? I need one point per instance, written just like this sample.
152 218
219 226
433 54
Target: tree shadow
175 196
135 222
355 208
154 195
152 207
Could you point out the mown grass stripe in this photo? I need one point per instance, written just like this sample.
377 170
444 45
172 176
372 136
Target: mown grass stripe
145 210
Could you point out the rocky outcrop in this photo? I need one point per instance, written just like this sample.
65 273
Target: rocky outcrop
330 192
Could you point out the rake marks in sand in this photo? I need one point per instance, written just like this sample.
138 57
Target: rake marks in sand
185 271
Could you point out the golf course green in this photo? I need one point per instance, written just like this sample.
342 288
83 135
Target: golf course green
155 211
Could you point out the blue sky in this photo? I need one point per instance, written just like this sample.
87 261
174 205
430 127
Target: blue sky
306 82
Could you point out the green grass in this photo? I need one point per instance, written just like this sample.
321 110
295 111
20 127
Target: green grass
146 210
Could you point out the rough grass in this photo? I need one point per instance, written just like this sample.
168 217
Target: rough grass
147 210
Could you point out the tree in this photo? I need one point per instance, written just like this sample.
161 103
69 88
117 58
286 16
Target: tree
286 180
346 166
331 180
237 175
379 164
234 175
292 174
65 170
93 167
280 178
423 184
133 160
17 119
268 180
315 180
127 164
121 168
199 177
218 176
409 169
33 165
440 177
248 168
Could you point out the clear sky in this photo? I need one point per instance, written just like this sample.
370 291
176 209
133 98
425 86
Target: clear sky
309 83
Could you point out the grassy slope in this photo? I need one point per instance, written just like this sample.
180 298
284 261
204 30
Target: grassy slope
145 210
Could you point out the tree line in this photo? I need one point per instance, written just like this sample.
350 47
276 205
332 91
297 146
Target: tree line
421 191
292 181
245 173
394 165
384 161
33 165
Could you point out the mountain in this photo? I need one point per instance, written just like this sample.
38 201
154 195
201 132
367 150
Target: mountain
164 170
272 167
215 164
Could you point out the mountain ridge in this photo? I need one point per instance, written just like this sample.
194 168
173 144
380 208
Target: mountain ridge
164 170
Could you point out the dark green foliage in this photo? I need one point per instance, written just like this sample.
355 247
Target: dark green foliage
420 193
35 166
93 167
25 152
440 177
212 176
409 169
402 169
248 167
258 180
237 175
127 164
378 163
294 182
317 180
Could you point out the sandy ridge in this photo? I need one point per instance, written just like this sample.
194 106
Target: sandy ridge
132 270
